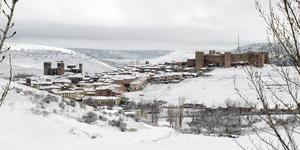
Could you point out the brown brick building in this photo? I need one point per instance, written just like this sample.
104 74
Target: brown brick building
228 59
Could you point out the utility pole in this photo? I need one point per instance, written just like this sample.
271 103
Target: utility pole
238 43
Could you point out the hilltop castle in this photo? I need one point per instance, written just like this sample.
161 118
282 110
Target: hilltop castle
60 70
227 59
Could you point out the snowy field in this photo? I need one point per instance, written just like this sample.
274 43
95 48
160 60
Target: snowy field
25 125
212 90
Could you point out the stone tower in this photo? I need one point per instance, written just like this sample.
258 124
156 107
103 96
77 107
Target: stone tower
260 60
199 60
47 68
28 82
60 68
267 59
227 59
80 68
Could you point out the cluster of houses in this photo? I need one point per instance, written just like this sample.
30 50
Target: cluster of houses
107 88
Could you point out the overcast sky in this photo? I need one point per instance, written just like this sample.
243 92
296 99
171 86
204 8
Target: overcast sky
139 24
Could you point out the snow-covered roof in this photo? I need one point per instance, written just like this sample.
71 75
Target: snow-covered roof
123 77
88 89
84 84
61 80
141 80
169 74
101 98
110 87
76 76
70 92
41 83
50 87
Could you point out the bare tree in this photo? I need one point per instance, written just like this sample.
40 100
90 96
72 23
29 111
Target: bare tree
231 103
194 111
282 18
155 110
181 102
7 11
171 116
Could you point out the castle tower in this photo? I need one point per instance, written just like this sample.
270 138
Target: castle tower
28 82
260 60
227 60
199 60
60 68
212 52
80 68
266 55
47 68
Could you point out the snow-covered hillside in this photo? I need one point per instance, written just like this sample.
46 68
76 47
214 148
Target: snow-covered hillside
213 90
30 121
31 47
29 59
261 47
173 56
37 120
119 58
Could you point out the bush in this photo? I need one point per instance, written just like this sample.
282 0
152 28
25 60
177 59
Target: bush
216 122
137 118
71 103
116 114
119 124
37 97
50 98
290 120
62 105
23 75
89 117
102 118
40 112
123 126
83 106
130 115
132 130
18 90
26 93
113 123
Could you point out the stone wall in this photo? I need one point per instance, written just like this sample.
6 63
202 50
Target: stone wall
226 60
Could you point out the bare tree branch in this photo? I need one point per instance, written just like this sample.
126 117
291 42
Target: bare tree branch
5 35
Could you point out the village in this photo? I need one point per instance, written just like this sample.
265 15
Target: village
107 88
147 75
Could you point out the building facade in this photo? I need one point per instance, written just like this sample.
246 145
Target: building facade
60 69
228 59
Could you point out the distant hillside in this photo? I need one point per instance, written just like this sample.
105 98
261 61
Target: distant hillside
29 58
261 47
173 56
118 58
277 54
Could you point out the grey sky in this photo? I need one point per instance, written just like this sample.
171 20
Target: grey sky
139 24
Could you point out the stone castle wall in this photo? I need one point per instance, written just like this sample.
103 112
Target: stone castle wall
227 59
